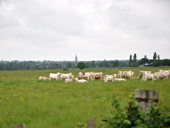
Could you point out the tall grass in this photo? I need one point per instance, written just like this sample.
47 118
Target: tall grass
40 104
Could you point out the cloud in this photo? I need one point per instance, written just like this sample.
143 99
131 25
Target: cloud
93 29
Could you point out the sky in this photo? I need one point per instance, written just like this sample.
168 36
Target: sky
91 29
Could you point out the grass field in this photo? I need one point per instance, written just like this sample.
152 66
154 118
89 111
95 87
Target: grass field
55 104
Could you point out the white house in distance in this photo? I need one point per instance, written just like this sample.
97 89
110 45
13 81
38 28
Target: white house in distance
146 65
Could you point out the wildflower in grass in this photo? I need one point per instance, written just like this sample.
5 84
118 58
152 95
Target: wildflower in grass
21 99
15 95
11 90
102 100
130 95
45 101
12 117
4 125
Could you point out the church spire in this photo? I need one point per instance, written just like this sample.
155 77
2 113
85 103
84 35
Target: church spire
76 59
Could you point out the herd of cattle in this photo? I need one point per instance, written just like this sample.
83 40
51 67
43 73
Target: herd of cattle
122 76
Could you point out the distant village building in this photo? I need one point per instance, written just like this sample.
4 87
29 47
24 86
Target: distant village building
146 65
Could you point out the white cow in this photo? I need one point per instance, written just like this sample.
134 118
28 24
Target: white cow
119 79
167 72
121 74
64 76
129 74
72 77
108 78
97 75
141 73
84 75
80 81
155 74
55 76
162 75
160 70
68 80
148 77
44 78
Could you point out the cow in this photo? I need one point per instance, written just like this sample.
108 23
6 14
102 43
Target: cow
64 76
162 75
54 76
84 75
121 74
148 77
155 74
141 73
72 77
44 78
119 79
129 74
108 78
80 81
98 75
167 72
68 80
160 70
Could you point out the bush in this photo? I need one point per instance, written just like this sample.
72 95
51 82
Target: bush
135 119
81 65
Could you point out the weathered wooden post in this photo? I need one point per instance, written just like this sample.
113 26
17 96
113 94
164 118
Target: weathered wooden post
91 123
144 97
20 126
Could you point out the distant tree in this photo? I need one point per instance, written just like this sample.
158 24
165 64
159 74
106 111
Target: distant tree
1 66
115 63
158 57
130 58
144 60
68 65
134 61
54 66
134 57
130 61
28 67
88 65
36 67
81 65
93 64
156 63
101 64
165 62
154 56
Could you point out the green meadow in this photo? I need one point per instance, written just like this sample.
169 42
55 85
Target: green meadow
55 104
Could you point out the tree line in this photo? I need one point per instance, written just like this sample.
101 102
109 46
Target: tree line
156 61
37 65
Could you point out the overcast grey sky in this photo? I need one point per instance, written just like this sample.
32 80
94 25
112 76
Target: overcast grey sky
92 29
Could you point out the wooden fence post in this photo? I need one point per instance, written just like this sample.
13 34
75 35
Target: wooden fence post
20 126
91 123
144 97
